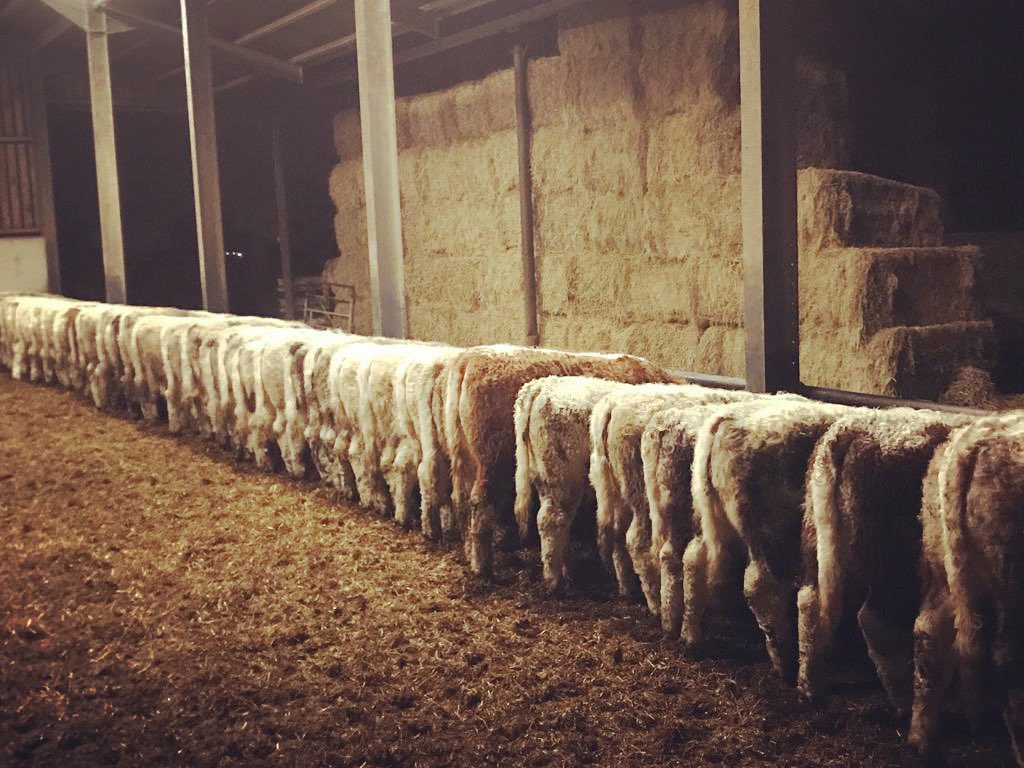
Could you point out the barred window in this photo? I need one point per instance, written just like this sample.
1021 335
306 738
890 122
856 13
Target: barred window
18 215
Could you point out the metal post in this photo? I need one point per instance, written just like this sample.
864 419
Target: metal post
380 165
768 113
520 63
44 176
202 128
283 237
102 101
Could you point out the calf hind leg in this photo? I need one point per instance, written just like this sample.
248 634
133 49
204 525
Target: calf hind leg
933 669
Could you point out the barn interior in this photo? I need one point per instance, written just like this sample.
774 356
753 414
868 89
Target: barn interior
835 208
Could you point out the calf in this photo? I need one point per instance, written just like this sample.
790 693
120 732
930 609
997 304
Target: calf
552 425
616 472
482 387
417 452
666 450
862 538
972 568
749 468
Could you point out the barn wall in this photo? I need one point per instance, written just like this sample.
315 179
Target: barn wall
22 264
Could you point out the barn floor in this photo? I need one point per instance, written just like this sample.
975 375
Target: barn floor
162 604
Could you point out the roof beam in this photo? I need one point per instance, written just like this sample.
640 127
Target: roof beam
472 34
51 33
274 26
285 21
408 14
260 62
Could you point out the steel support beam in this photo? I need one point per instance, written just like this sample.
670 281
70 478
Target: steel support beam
102 102
520 62
260 62
46 214
380 165
202 129
283 237
768 115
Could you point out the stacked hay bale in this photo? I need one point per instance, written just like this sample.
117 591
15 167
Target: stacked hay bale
885 307
352 267
636 168
460 213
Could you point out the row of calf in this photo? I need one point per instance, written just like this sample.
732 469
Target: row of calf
913 519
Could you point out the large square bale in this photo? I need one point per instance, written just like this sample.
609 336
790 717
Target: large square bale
662 290
722 351
719 288
673 345
689 55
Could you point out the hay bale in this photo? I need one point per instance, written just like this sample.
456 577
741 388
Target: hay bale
351 235
348 141
916 362
556 274
693 144
700 218
722 351
597 281
433 119
403 123
662 290
601 223
868 289
689 57
485 106
719 289
499 282
580 333
597 30
353 269
448 280
673 345
345 186
972 387
601 92
837 208
545 85
568 159
823 124
501 151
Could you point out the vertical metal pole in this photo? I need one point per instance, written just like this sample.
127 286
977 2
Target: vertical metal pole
102 101
283 238
375 64
520 63
202 128
768 113
44 175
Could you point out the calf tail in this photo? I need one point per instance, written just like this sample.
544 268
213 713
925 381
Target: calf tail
650 455
601 477
822 510
524 487
955 475
706 502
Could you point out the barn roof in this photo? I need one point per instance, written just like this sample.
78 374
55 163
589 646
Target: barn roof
309 44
